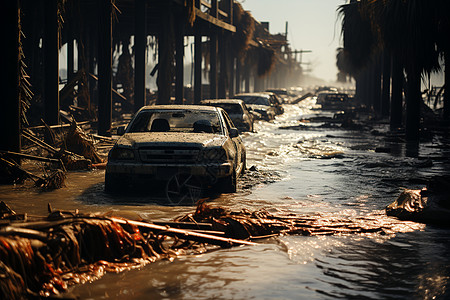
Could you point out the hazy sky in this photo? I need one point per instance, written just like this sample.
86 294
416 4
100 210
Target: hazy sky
312 25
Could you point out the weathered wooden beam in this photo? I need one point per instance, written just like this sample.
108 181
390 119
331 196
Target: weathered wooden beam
213 65
186 234
105 67
223 73
70 57
165 54
51 63
237 86
31 157
198 66
214 21
140 42
179 61
10 111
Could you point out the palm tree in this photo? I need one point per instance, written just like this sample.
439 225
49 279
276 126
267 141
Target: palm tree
407 29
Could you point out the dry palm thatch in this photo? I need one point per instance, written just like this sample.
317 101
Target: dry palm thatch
25 94
245 27
78 142
359 40
266 60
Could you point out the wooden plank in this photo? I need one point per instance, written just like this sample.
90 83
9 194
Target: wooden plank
214 21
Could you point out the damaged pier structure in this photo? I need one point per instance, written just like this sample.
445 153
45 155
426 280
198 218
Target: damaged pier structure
106 46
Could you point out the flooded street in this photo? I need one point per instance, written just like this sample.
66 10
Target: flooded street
311 170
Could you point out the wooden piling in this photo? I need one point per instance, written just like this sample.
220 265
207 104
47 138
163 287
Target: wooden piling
223 74
237 86
179 61
198 65
213 43
140 43
51 63
10 112
165 54
104 67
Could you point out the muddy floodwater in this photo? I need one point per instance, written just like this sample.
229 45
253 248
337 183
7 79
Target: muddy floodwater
303 168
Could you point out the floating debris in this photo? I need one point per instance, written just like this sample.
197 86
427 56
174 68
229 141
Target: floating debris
43 256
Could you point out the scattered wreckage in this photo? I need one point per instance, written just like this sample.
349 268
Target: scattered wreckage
187 146
68 149
43 256
430 205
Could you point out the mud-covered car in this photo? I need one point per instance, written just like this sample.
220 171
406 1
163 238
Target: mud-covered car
237 110
180 144
259 103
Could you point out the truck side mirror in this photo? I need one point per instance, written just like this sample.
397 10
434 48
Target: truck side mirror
121 130
234 132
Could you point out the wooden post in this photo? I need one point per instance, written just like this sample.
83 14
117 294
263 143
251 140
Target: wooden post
213 54
247 79
222 86
165 54
70 54
377 84
51 63
237 87
198 66
11 108
179 61
213 65
140 43
231 88
104 67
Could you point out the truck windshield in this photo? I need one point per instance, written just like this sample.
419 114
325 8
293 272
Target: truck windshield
188 121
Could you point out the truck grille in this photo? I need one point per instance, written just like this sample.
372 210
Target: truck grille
169 155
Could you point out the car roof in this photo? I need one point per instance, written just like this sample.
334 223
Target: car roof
262 94
231 101
188 107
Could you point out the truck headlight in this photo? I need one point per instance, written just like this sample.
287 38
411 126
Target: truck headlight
213 155
121 154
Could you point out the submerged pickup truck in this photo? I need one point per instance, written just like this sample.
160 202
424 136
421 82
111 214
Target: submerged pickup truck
165 141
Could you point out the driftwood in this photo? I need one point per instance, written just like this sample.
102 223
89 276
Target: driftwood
43 256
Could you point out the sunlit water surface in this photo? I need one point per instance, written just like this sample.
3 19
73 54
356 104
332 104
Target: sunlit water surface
322 171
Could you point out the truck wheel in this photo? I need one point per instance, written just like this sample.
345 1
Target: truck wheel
111 184
183 188
229 184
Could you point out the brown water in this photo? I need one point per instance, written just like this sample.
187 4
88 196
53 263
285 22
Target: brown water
321 171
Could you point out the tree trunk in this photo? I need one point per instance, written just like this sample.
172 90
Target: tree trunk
386 91
376 81
413 100
397 95
446 85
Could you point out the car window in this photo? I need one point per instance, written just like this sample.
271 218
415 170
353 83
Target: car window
258 100
228 123
171 120
231 108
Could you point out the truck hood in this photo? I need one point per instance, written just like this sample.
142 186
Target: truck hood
137 140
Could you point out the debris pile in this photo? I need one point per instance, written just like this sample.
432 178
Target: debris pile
429 205
68 149
42 256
